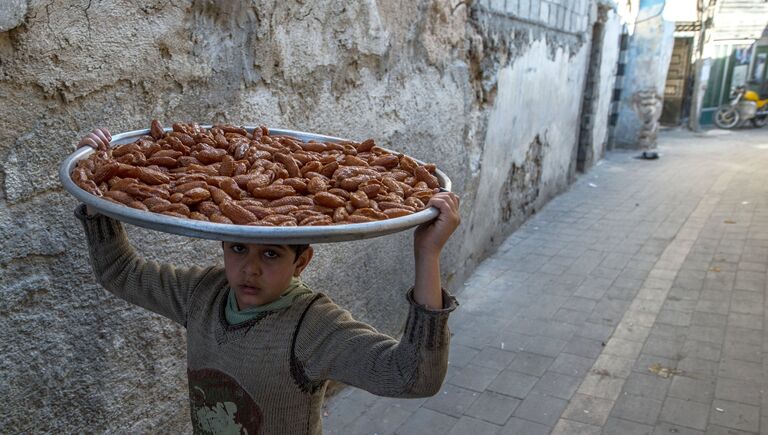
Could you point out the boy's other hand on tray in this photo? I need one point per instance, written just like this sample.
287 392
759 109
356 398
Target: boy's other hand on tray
98 139
430 237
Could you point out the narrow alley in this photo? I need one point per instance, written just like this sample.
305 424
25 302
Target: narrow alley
633 303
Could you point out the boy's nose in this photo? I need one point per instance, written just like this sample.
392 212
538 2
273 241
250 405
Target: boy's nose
251 266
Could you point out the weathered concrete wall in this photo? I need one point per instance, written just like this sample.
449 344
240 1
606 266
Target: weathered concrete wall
489 95
12 14
532 130
609 59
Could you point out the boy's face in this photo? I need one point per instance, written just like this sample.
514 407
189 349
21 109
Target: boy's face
259 274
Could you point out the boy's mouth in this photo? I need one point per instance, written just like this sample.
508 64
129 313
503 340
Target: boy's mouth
249 290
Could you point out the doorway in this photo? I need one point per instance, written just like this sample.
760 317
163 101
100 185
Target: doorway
677 88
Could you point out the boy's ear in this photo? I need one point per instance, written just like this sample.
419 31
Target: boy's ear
303 260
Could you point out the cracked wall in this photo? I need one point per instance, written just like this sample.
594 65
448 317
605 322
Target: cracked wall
443 80
521 188
534 127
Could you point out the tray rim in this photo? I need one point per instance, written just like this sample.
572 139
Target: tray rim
241 233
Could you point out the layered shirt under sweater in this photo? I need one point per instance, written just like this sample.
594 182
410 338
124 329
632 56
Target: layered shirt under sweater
268 375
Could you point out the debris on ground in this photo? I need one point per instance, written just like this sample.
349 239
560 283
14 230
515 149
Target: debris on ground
664 372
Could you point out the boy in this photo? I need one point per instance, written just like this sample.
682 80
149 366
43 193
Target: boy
261 346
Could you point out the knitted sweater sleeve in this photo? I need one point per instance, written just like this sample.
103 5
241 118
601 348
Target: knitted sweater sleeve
330 344
160 288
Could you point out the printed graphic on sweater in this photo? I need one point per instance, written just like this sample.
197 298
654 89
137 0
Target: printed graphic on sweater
219 405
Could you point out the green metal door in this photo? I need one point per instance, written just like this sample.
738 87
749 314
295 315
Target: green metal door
728 58
759 67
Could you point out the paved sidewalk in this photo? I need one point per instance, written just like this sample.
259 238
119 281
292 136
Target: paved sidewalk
634 303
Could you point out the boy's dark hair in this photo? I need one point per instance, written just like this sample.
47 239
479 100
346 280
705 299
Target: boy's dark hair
298 249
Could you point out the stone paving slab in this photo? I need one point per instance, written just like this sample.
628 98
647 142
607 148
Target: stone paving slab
634 306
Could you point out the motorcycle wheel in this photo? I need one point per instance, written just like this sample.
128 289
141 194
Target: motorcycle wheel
760 121
727 117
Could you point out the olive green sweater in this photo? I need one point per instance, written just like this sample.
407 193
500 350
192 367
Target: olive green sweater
268 375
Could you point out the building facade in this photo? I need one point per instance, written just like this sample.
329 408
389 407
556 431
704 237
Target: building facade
735 44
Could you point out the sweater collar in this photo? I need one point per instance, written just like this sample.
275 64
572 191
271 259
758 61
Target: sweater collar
236 316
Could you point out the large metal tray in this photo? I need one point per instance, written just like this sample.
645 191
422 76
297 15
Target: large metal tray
240 233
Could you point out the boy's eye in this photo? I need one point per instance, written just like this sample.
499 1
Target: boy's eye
271 254
238 249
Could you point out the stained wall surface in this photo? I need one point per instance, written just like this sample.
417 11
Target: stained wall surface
487 91
539 59
609 59
648 56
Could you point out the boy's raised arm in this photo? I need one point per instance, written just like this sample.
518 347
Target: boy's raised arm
160 288
332 345
428 242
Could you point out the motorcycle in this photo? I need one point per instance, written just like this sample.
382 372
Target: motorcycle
745 105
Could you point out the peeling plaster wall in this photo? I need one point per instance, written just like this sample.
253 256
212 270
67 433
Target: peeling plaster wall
529 79
524 115
491 100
